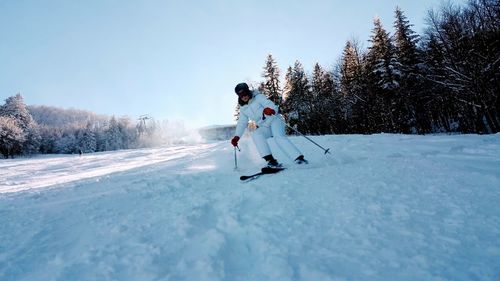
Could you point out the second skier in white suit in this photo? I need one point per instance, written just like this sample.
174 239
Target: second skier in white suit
257 107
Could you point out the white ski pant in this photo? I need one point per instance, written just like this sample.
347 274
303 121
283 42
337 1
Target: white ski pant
276 129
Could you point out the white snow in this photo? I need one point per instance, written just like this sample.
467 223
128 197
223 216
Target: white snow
381 207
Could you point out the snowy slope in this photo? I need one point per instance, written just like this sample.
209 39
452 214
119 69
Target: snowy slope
381 207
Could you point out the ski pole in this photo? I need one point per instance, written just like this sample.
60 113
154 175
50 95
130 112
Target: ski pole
295 130
236 158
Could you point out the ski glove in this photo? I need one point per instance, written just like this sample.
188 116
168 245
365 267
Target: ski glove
269 111
235 140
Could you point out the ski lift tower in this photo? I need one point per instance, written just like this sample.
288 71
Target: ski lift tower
142 123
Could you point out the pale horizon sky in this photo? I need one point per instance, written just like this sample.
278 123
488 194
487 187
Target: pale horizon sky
175 60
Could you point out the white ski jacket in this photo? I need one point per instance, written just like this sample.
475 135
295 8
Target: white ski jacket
253 111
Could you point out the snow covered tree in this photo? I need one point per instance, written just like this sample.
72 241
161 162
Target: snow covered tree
382 62
298 102
16 109
409 57
121 134
48 138
383 73
350 70
12 137
114 138
33 140
68 142
128 132
271 85
88 140
101 137
352 97
321 118
405 42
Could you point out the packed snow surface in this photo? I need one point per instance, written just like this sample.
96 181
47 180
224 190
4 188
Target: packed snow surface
380 207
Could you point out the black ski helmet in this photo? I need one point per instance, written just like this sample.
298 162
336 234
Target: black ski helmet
242 88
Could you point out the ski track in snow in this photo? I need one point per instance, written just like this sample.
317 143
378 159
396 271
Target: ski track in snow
43 172
381 207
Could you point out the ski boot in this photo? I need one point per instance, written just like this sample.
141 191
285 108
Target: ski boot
271 162
300 160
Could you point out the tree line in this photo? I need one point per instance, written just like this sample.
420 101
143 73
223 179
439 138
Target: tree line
446 80
27 130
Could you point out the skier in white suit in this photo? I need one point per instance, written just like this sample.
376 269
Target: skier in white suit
257 107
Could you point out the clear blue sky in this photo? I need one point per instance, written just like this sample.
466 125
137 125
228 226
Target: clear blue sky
175 60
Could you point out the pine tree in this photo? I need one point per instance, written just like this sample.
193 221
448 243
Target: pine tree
350 69
114 139
48 137
12 137
298 102
382 60
271 86
408 55
88 141
101 138
16 109
288 87
322 116
33 140
68 142
405 42
383 71
128 133
352 97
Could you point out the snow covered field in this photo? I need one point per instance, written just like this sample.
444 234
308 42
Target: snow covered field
381 207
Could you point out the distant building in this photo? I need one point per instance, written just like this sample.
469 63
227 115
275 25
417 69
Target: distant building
217 132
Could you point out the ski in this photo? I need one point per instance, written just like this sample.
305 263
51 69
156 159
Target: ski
263 171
